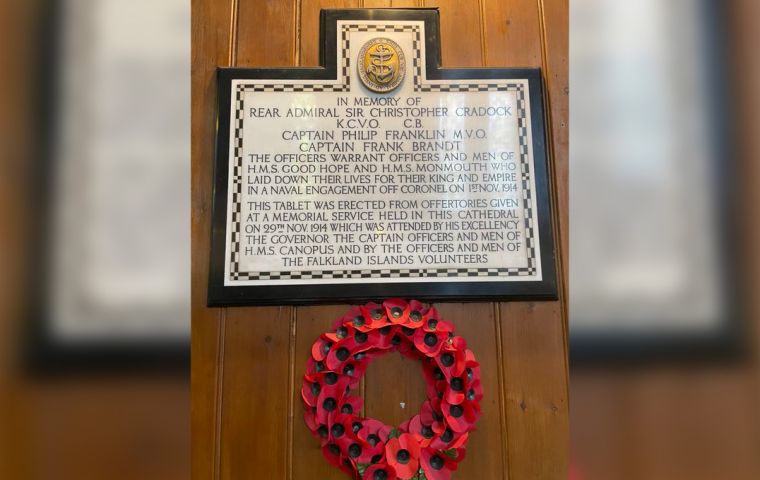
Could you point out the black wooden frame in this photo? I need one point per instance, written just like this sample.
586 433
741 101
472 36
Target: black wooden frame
42 353
727 342
221 295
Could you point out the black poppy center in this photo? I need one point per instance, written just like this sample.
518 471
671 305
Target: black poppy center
333 449
356 426
408 331
447 436
447 359
456 411
322 431
338 430
331 378
315 388
469 374
326 347
431 339
376 458
349 370
438 374
377 313
359 320
432 323
436 462
403 456
380 475
360 337
347 408
360 356
354 450
373 439
319 366
396 340
396 312
415 316
457 384
385 330
341 332
342 353
329 404
427 431
471 394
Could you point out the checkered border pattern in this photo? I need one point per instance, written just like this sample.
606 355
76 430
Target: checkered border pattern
385 273
344 86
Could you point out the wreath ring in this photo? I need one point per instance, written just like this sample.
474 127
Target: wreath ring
428 446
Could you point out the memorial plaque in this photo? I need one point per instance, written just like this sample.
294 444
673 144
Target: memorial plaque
380 174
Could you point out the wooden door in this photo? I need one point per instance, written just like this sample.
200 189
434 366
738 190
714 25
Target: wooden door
247 362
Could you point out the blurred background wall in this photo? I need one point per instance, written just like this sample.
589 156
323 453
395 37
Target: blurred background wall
94 244
665 379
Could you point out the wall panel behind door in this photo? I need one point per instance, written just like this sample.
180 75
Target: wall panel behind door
247 362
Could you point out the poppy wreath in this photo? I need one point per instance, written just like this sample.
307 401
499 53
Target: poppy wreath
428 446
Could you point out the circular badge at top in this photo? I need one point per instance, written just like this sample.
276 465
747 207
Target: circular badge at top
381 65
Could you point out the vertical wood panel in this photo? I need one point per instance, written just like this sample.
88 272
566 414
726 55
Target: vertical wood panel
512 33
534 335
460 32
256 387
535 380
210 47
310 26
266 33
555 37
254 414
391 3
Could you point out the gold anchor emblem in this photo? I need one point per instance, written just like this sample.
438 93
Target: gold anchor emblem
381 65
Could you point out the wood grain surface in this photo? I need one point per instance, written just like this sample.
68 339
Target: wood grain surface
247 362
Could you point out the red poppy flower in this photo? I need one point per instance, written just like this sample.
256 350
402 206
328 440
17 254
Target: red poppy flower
342 461
452 359
340 428
430 343
424 430
373 436
397 310
403 454
339 355
359 341
310 391
380 471
320 349
377 313
436 465
449 439
310 417
472 367
457 389
432 322
331 397
474 391
351 404
417 313
431 413
359 318
313 366
460 418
